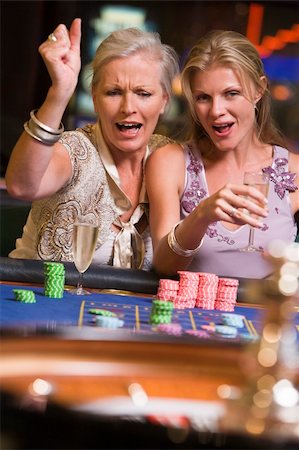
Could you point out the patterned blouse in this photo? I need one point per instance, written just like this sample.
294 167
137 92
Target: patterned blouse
93 194
220 252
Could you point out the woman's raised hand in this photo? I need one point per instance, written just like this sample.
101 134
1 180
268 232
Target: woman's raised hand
61 56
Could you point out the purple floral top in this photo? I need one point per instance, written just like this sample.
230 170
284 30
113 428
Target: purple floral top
220 252
283 179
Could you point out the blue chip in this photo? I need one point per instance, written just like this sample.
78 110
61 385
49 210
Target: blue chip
109 322
233 320
226 331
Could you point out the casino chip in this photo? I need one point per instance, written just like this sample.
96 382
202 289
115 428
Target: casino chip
198 333
226 294
226 331
54 279
167 289
199 289
234 320
161 312
101 312
207 290
24 296
187 290
109 322
173 329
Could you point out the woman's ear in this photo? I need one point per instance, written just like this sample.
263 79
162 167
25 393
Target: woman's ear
263 86
165 102
94 102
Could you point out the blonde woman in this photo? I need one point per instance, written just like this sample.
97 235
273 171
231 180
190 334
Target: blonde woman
199 206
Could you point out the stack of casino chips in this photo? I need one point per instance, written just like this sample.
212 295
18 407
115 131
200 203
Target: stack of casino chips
172 329
109 322
207 290
188 287
161 312
54 273
233 320
167 289
226 294
24 296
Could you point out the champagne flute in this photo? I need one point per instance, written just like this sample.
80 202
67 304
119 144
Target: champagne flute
85 238
260 181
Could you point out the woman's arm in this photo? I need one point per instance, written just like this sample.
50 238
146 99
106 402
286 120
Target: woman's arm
165 177
37 170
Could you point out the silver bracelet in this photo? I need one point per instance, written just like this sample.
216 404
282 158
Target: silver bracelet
44 127
41 132
38 134
176 247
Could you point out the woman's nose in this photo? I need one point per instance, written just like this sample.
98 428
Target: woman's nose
127 104
217 107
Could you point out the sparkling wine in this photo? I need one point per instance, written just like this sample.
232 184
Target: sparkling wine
84 242
261 182
262 186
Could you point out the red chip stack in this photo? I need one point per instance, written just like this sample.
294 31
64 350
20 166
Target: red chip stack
199 289
207 290
226 294
187 293
167 289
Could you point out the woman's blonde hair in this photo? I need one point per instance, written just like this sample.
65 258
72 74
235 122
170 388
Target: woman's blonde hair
231 49
129 41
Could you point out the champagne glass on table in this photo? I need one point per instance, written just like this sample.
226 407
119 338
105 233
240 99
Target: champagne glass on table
260 181
85 238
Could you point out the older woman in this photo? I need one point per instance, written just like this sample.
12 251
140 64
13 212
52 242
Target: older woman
200 208
96 173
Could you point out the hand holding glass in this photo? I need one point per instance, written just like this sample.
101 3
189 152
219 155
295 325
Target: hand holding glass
85 238
260 181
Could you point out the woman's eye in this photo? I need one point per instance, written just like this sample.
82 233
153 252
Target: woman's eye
113 92
232 93
201 98
144 94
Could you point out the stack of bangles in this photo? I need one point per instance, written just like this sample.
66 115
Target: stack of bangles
41 132
176 247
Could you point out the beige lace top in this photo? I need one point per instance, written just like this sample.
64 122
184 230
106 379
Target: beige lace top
94 195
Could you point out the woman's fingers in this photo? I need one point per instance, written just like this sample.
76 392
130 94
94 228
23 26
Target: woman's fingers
249 192
61 54
62 39
75 34
241 205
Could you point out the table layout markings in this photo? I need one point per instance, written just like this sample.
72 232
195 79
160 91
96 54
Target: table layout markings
137 321
250 327
192 320
81 313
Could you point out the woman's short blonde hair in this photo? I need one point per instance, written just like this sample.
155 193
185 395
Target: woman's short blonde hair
231 49
129 41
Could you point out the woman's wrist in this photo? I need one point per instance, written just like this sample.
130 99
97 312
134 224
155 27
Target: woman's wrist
201 218
177 248
59 98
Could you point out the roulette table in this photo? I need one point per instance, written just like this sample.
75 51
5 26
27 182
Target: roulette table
68 383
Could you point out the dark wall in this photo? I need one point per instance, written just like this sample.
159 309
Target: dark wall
24 79
26 24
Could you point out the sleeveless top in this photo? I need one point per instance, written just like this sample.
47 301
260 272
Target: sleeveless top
220 252
93 194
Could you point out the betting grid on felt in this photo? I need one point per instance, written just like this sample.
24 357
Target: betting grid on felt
135 311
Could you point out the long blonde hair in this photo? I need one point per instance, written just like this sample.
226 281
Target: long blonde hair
231 49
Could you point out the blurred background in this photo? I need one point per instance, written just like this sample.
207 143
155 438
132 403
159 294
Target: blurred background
273 26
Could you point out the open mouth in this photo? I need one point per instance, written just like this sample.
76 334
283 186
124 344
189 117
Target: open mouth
223 128
128 126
